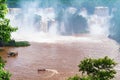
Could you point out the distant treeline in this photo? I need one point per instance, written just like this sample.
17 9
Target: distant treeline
88 4
77 3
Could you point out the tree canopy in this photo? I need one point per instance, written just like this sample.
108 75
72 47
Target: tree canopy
15 3
96 69
4 75
5 27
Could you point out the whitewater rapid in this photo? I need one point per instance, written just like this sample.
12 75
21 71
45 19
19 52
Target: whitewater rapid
42 37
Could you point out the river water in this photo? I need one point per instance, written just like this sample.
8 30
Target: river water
62 56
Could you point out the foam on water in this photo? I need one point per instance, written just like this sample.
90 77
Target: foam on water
48 38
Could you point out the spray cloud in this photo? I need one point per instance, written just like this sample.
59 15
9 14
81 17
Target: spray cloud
36 17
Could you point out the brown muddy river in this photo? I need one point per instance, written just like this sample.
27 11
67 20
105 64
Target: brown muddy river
61 56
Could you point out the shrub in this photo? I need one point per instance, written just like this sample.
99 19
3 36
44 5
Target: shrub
4 75
13 43
97 69
22 43
76 77
5 28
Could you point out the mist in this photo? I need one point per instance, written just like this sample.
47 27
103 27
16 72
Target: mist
57 17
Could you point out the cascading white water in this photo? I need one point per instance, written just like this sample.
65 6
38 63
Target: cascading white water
26 20
40 25
30 28
99 22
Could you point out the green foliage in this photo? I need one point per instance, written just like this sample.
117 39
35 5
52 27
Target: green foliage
86 78
2 63
5 30
1 49
96 69
66 2
22 43
17 44
4 75
101 2
76 77
5 27
13 3
3 8
101 68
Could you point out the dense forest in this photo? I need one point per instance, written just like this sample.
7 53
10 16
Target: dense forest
77 3
113 6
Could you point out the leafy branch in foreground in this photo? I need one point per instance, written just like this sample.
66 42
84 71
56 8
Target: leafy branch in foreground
4 75
5 28
96 69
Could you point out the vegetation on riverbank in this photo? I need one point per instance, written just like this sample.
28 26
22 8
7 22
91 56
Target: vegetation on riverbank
14 43
4 74
96 69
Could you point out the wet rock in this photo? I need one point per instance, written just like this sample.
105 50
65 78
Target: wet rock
39 70
12 53
1 49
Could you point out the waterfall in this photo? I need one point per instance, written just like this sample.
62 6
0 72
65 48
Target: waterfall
32 18
36 22
99 22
